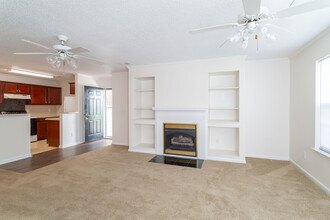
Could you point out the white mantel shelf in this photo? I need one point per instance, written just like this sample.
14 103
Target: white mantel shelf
178 109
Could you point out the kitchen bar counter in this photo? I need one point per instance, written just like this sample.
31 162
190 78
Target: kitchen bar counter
15 137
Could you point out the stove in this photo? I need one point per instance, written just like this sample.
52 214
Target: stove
13 112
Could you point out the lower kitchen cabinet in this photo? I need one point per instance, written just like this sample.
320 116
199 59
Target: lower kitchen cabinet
53 133
41 128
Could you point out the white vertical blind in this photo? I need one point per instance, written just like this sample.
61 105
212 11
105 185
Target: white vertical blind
324 108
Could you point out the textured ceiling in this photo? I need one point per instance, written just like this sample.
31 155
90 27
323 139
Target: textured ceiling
141 31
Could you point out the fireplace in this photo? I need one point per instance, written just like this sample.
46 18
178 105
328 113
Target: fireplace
180 139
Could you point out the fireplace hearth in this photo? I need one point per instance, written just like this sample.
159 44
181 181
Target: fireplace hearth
180 139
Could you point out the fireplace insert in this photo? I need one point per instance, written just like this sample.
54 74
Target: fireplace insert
180 139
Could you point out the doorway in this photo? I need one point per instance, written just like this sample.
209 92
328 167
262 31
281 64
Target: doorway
108 113
93 116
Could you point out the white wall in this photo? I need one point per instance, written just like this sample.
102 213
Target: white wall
302 110
69 129
120 108
264 93
267 108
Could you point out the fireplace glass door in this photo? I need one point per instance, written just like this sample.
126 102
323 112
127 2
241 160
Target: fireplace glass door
180 139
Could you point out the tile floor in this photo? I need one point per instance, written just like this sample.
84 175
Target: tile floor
40 146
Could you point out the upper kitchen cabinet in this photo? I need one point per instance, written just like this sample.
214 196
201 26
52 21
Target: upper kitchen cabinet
72 88
39 95
1 93
16 88
54 96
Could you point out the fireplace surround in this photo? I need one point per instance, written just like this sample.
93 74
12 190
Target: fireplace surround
180 139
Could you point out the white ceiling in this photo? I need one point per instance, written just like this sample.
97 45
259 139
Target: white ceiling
141 31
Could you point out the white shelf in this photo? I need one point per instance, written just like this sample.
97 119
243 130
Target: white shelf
223 88
145 90
144 148
225 124
149 108
223 108
223 153
147 121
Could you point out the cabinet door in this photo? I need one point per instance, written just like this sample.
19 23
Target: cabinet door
24 89
42 130
38 95
1 93
54 96
72 88
11 88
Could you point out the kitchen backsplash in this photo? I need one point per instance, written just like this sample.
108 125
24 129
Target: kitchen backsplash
13 105
43 109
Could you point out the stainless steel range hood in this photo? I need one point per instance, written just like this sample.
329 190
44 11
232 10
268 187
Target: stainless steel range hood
16 96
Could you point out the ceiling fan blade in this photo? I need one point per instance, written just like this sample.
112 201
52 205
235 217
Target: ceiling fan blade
31 53
213 28
89 59
36 44
223 43
78 50
303 8
251 7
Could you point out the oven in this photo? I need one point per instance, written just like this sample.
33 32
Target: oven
34 129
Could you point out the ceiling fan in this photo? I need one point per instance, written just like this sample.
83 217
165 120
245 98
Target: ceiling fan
253 22
61 54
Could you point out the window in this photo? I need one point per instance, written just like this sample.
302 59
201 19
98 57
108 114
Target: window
323 105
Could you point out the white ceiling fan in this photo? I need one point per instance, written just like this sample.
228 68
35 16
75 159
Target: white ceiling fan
254 21
61 54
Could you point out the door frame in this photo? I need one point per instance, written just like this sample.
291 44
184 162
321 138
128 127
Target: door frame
106 115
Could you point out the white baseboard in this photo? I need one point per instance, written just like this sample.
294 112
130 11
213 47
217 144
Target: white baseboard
12 159
226 159
119 143
268 157
311 177
71 145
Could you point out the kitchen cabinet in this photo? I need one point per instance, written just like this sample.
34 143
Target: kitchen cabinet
53 132
15 88
41 128
72 88
39 95
54 96
1 93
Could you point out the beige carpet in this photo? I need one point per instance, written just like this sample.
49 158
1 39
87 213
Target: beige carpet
112 183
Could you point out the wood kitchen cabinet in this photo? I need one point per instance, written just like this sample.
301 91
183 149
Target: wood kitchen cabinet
54 96
1 93
39 95
41 128
53 133
15 88
72 88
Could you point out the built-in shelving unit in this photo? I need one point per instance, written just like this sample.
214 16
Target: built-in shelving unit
143 117
224 116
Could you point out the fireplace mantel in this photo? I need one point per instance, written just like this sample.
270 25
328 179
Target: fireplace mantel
179 109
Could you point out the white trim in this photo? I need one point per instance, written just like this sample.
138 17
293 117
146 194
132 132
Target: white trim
15 159
71 145
119 143
225 159
144 151
321 152
268 157
316 181
178 109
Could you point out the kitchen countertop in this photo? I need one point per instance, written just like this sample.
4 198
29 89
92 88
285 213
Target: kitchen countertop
43 116
53 119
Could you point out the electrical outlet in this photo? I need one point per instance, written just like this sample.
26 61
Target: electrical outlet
305 155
